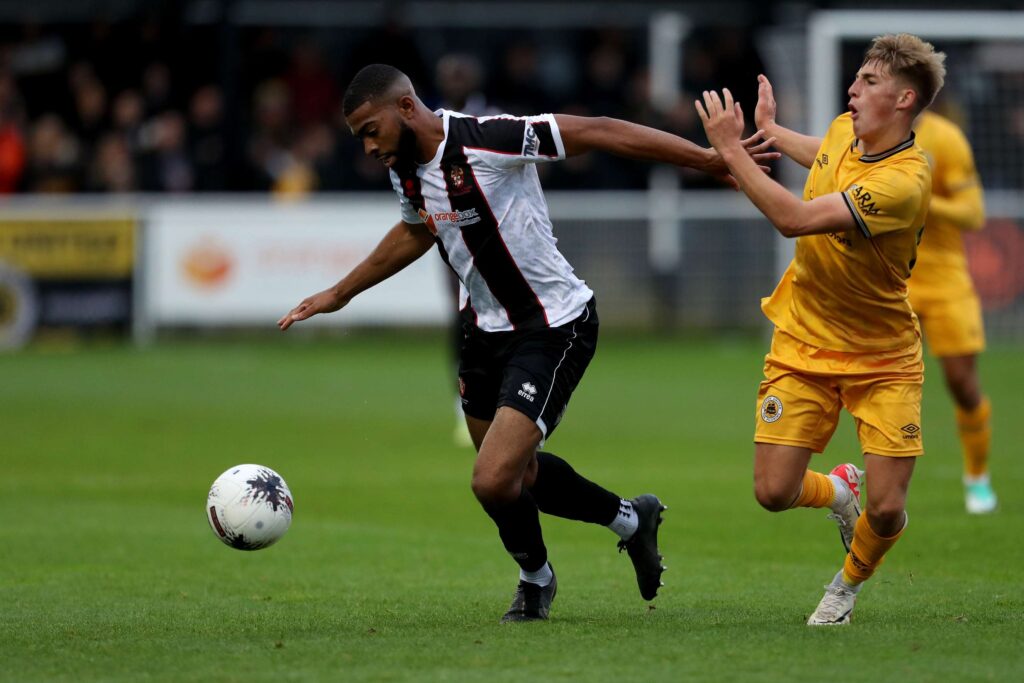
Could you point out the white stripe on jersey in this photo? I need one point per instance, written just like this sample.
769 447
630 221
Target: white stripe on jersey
512 273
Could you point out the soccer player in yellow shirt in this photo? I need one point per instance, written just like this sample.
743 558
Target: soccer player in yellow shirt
943 296
845 334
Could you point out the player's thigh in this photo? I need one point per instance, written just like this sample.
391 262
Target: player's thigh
961 374
545 368
477 430
507 453
779 472
795 409
953 326
887 412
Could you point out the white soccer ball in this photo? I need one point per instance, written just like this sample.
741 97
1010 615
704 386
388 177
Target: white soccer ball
249 507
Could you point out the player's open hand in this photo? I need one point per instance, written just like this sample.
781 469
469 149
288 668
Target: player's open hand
757 146
764 112
326 301
723 121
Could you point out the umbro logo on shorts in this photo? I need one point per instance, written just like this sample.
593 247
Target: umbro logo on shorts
911 431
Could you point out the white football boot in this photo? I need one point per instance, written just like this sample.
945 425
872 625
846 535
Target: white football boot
836 605
846 508
979 498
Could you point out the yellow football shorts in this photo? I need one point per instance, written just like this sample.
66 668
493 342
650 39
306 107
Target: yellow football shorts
952 326
805 387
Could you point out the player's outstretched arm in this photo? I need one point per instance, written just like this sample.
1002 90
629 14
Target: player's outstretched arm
791 216
581 134
964 208
403 244
800 148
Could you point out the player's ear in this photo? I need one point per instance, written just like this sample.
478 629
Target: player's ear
907 99
406 106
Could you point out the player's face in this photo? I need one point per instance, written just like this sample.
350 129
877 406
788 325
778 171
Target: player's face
875 97
383 131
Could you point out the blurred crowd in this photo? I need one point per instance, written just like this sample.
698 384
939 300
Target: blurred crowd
157 106
154 106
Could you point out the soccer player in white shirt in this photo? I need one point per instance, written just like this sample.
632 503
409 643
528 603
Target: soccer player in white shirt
469 186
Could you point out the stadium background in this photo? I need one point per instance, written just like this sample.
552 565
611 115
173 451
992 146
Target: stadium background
176 175
120 109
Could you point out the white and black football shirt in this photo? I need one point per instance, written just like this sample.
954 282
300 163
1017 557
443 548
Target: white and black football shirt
481 198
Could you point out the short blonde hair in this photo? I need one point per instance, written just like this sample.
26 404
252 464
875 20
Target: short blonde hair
912 60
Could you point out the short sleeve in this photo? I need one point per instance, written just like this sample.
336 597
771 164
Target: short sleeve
509 141
409 213
886 201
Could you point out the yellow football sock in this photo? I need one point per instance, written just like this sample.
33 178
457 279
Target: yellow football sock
817 491
866 552
975 436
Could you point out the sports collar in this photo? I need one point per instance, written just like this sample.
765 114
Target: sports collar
872 158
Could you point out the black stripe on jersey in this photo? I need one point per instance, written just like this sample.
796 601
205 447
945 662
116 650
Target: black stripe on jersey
468 313
497 135
491 256
546 140
856 216
447 261
411 187
413 191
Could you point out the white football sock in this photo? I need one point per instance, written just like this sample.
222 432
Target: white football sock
838 581
541 577
625 522
843 491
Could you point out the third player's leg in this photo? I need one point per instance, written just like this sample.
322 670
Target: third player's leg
961 374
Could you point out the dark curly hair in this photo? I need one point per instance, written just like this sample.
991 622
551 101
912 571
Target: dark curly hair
370 83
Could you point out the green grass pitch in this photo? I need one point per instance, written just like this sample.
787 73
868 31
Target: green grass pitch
391 572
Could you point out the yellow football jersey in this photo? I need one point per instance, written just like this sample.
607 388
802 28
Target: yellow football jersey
847 290
956 205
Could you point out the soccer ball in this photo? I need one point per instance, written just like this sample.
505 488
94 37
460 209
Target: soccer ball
249 507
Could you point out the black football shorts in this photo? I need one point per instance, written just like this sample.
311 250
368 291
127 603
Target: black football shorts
533 371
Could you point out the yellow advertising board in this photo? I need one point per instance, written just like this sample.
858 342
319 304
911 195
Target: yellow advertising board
56 249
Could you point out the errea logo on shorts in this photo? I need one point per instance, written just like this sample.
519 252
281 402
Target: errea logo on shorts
771 409
528 391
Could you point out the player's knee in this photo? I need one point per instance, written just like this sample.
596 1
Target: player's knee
492 488
887 518
773 497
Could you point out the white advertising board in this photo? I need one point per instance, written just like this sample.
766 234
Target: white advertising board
247 262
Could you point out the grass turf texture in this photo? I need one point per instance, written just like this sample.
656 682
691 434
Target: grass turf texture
391 572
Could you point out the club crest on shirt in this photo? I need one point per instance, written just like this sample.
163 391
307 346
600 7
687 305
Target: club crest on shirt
771 409
457 181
